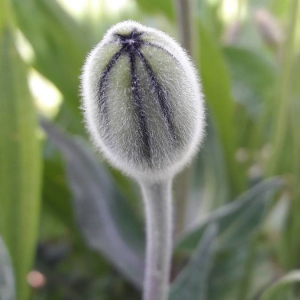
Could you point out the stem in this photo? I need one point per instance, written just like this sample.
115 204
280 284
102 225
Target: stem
184 16
286 89
184 9
158 211
181 190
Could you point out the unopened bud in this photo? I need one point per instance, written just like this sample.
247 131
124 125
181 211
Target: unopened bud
268 27
142 101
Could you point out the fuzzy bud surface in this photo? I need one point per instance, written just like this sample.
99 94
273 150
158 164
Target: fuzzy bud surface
142 101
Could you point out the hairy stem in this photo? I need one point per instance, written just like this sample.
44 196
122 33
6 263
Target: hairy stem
158 211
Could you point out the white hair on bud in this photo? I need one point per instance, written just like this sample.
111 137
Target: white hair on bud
142 101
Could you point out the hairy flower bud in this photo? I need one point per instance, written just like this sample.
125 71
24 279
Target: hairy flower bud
142 101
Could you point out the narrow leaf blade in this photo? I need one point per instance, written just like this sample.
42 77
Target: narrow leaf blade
106 221
217 90
275 289
191 283
248 204
7 281
20 167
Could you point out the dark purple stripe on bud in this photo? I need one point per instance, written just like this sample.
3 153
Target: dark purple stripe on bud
138 105
104 79
160 94
131 45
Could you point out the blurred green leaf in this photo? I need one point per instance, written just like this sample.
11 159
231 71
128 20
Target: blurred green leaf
192 281
60 45
238 219
216 87
274 292
56 194
5 13
103 215
20 167
280 7
210 171
165 7
209 14
7 281
210 187
253 77
227 272
284 138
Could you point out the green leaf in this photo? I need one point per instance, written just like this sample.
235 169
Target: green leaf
106 221
7 281
192 281
60 44
56 194
253 75
210 176
165 7
238 219
20 167
274 292
227 272
5 13
216 87
209 14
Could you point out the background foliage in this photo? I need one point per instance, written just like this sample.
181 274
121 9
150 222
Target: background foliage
72 228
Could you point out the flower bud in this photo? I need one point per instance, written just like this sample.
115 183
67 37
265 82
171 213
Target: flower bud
142 101
268 27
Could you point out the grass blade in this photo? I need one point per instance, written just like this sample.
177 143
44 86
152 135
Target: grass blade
7 281
191 283
20 167
216 87
275 290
